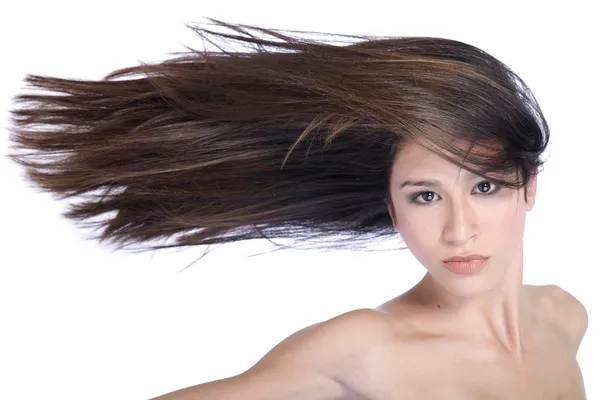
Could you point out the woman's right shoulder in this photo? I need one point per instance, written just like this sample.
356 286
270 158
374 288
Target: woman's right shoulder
338 347
334 349
353 331
362 326
321 361
343 336
380 321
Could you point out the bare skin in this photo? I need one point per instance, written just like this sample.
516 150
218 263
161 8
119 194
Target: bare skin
411 349
483 336
449 361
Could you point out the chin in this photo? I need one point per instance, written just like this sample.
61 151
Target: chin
469 289
467 284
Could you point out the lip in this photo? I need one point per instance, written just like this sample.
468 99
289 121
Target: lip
466 265
468 258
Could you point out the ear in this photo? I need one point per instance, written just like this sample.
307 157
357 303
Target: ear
390 208
531 192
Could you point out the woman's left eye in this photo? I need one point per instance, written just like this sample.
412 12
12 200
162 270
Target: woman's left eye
487 187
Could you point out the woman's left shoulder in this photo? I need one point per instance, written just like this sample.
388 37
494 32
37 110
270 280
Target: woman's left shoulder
566 310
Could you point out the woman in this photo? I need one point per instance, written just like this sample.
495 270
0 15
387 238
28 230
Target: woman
430 139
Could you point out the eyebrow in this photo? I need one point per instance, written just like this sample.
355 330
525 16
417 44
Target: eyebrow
432 182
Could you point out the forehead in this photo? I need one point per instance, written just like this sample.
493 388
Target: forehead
414 158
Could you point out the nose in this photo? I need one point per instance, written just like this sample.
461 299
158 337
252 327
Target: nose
460 223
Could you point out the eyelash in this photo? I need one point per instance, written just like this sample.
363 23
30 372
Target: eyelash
414 198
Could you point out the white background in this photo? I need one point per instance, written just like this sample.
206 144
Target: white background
79 321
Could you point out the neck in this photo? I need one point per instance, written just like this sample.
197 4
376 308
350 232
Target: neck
498 315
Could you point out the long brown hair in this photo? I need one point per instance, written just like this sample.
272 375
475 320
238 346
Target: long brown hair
290 138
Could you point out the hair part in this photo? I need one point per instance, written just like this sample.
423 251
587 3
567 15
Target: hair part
294 138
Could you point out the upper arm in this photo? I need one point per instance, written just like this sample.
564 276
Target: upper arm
311 364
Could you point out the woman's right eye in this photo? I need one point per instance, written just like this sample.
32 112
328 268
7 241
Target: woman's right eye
426 197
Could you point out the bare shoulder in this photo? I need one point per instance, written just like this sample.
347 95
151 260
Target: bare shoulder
373 323
346 336
566 310
319 362
349 328
343 335
334 349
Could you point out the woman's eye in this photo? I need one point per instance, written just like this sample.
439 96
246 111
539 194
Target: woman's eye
424 197
487 187
482 188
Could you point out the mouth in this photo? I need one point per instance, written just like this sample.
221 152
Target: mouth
468 258
466 265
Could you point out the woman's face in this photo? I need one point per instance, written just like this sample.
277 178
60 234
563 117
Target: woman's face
447 211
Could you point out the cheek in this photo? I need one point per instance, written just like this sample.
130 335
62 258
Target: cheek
421 235
507 224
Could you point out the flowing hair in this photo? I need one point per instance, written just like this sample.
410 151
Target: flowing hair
290 137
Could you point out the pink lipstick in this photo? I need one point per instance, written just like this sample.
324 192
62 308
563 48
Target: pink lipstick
466 265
